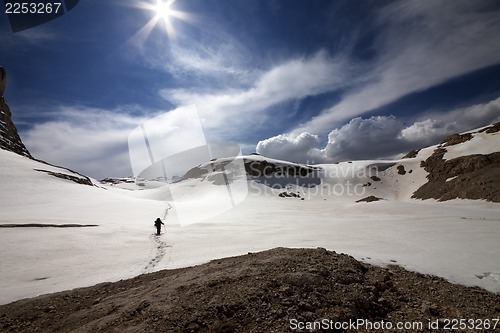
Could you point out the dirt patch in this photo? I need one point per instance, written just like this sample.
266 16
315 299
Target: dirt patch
261 292
467 177
371 198
401 170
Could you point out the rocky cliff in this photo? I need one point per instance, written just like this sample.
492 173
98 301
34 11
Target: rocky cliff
9 138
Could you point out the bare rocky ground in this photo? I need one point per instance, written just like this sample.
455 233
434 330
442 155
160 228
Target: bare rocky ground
278 290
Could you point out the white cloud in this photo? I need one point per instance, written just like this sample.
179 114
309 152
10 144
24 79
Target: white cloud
439 124
88 140
379 137
94 141
231 111
370 138
425 132
213 57
363 139
420 44
223 59
300 149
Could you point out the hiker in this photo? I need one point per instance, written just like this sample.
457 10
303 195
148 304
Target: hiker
158 224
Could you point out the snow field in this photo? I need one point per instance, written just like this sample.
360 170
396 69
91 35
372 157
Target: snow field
457 239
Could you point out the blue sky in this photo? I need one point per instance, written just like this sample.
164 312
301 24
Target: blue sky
308 81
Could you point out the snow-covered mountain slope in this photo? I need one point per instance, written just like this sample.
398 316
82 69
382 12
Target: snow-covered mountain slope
229 207
465 166
55 249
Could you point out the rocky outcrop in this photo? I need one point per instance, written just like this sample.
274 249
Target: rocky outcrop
412 154
280 290
77 178
9 138
491 129
475 177
455 139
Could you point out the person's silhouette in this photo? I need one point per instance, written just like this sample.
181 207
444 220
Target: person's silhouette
158 224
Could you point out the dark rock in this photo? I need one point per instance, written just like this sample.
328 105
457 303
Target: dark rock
412 154
455 139
494 128
287 194
80 179
371 198
9 138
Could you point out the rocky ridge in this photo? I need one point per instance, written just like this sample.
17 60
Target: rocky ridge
11 141
9 137
271 291
475 177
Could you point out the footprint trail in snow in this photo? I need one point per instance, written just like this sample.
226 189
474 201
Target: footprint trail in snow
160 246
161 250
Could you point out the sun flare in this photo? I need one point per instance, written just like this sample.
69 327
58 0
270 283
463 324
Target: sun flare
163 16
163 10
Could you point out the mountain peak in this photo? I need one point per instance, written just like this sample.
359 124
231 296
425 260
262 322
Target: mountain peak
9 138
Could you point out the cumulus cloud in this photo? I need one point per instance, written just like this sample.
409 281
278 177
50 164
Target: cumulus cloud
371 138
301 148
364 139
379 137
439 124
425 132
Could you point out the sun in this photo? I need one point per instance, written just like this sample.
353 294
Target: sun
163 10
163 16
